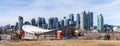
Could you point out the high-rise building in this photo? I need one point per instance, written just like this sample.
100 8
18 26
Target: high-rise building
100 22
83 20
71 18
86 20
61 23
43 21
44 25
66 22
50 23
90 19
20 23
33 22
78 21
39 22
55 23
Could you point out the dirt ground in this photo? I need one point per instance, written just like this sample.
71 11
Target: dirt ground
63 43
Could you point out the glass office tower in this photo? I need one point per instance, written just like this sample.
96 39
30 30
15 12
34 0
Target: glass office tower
20 23
100 22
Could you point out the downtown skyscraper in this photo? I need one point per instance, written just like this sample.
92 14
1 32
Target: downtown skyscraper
66 22
83 20
61 23
20 23
53 23
86 20
50 23
78 21
44 24
39 22
33 22
90 19
71 18
100 22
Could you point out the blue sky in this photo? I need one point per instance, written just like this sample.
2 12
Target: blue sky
11 9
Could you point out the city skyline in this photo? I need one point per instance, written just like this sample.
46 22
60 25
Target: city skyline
57 8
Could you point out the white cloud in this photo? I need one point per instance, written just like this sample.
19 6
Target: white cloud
60 8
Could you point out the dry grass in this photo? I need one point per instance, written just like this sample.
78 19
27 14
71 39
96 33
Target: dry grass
63 43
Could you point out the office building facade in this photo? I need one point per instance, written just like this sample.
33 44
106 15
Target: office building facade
66 22
44 24
33 22
55 23
78 22
50 23
20 23
71 18
83 20
90 19
61 23
39 22
100 22
86 20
